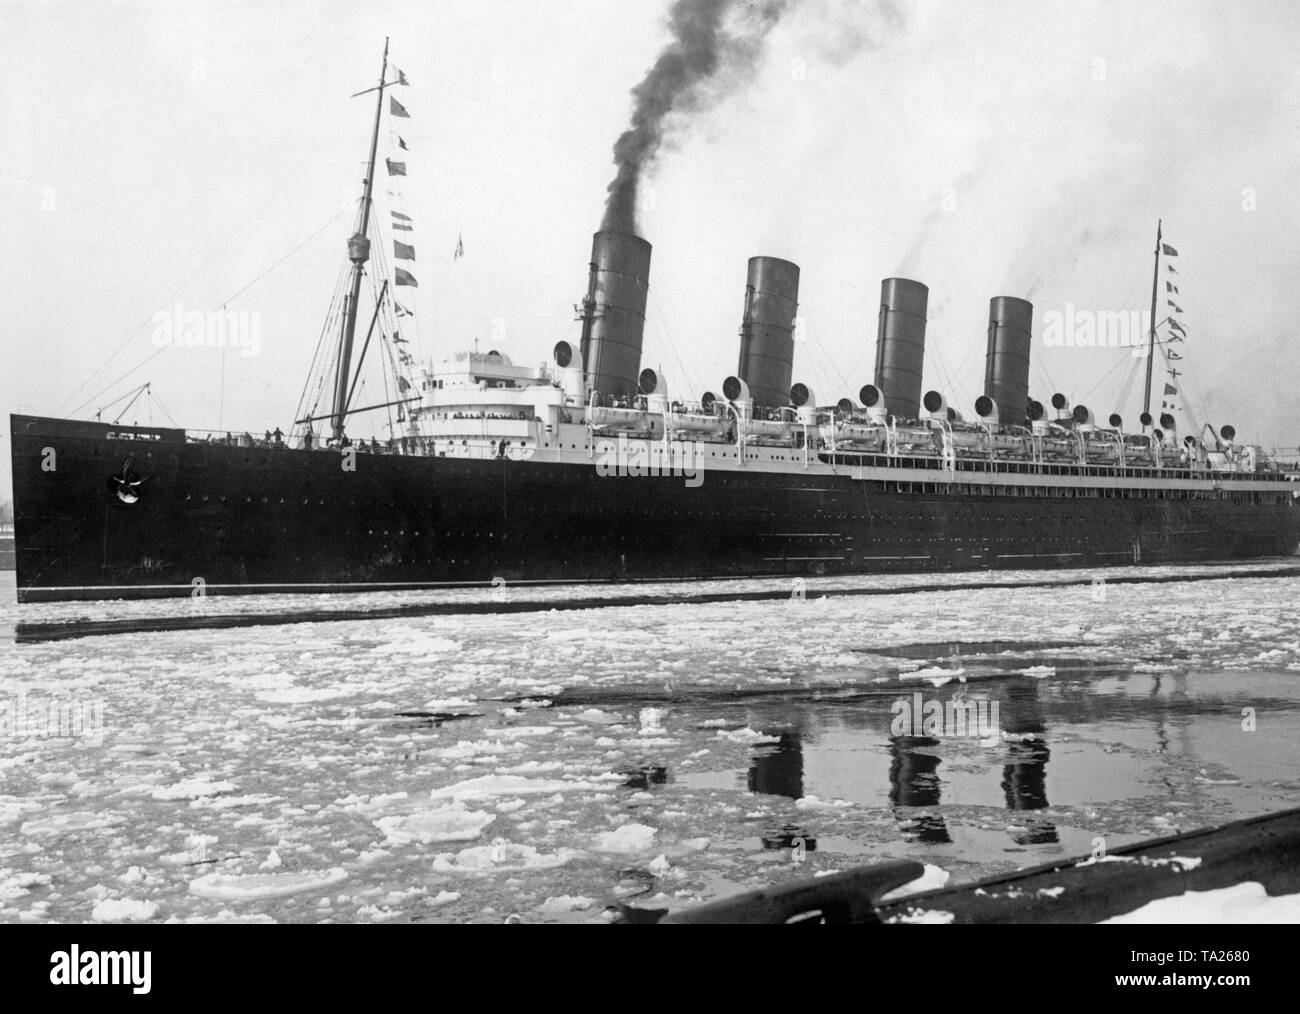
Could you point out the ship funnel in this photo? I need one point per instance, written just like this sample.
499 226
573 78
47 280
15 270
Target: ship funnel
986 408
572 377
767 329
1006 361
900 344
614 312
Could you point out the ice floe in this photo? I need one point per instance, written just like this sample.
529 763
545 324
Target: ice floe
746 735
123 910
254 886
442 824
567 903
512 785
500 857
193 788
70 822
627 839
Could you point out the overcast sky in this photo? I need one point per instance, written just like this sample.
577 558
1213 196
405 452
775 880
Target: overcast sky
156 152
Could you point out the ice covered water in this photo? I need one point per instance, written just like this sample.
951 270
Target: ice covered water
546 764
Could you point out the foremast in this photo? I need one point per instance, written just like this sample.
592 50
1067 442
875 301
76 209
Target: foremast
1151 341
358 254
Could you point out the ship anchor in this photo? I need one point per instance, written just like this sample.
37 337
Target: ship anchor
127 484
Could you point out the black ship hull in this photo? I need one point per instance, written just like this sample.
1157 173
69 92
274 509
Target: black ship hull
232 519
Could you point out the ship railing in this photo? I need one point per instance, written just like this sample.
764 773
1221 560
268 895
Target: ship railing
493 425
898 452
516 443
481 414
233 438
597 399
874 458
429 447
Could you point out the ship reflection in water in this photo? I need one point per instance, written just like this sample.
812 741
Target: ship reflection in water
1102 741
778 770
915 783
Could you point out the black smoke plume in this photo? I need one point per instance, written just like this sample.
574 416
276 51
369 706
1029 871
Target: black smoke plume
715 43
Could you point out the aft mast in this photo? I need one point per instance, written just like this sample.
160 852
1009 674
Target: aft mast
1151 343
358 254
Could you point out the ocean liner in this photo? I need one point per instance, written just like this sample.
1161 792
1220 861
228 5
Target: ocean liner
587 468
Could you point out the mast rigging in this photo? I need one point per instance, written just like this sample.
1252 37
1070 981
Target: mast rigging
1151 344
358 254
